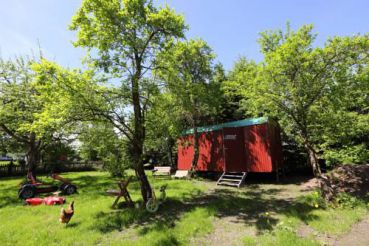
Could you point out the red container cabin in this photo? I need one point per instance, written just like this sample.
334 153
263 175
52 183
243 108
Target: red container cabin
250 145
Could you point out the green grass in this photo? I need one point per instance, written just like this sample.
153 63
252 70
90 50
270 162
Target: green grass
94 221
280 237
188 217
309 210
336 221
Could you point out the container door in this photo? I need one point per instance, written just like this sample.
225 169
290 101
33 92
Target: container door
234 155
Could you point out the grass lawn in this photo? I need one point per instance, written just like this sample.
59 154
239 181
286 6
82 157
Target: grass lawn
195 213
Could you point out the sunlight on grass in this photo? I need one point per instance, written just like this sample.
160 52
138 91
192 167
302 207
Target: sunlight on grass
336 221
195 223
186 217
313 211
94 221
279 237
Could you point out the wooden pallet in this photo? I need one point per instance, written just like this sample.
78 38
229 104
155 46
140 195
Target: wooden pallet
232 179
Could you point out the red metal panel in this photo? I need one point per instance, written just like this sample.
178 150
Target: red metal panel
257 148
234 150
260 151
185 152
275 145
210 152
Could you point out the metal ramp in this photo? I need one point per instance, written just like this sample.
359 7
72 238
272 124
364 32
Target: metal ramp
232 179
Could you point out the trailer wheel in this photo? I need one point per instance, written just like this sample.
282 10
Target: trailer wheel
26 192
152 206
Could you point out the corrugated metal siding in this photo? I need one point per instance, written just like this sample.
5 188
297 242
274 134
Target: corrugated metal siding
185 152
275 146
210 152
260 150
257 148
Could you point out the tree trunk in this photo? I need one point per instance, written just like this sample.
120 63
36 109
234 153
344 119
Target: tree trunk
139 137
170 152
33 154
146 190
196 149
313 159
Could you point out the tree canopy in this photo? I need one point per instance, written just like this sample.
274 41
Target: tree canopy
307 87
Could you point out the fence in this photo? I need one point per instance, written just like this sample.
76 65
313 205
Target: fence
17 170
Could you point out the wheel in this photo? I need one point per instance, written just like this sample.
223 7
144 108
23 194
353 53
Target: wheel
152 206
26 192
62 186
69 189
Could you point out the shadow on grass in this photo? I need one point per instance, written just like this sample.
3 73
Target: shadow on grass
11 200
247 207
9 197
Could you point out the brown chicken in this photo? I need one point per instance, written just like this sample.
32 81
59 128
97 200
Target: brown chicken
66 214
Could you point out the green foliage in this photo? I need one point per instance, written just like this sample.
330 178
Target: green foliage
99 141
237 85
123 39
188 73
348 154
19 103
25 118
317 93
119 29
314 200
52 153
344 200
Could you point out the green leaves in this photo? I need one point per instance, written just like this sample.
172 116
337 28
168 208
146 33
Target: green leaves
318 93
125 34
187 69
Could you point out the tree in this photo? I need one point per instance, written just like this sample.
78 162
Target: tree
235 87
188 72
298 82
19 105
163 123
23 109
124 38
99 141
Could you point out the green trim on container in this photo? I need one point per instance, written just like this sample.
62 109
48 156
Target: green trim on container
239 123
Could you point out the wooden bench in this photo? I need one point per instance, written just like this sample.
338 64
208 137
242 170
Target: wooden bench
181 174
122 192
161 171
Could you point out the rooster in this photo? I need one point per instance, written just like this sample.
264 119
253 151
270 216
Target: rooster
66 214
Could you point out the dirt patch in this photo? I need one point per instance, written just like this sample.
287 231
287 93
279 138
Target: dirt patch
227 231
305 231
310 185
358 235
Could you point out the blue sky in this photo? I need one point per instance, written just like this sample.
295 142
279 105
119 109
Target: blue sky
230 27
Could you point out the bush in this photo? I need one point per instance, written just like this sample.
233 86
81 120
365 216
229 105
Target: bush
315 200
345 200
116 165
